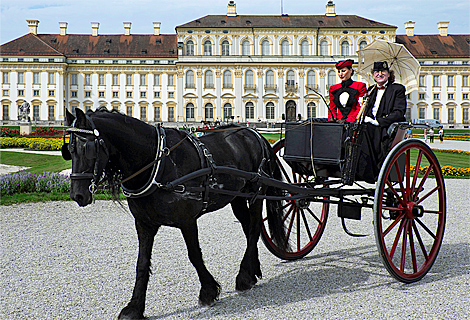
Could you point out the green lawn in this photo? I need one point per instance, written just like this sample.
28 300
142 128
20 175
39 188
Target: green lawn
37 162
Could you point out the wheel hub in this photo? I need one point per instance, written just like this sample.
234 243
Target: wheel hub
414 210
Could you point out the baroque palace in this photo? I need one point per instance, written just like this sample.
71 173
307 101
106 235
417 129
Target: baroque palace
242 68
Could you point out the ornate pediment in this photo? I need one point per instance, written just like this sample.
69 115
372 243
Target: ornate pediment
190 95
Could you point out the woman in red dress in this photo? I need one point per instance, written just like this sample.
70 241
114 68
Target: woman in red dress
344 96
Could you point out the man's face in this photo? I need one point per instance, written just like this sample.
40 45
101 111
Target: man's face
381 77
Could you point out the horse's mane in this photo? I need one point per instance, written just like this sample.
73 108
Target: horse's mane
113 175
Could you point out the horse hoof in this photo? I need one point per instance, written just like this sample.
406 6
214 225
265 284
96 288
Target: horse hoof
208 296
129 313
244 281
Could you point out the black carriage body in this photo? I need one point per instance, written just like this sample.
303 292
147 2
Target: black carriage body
320 142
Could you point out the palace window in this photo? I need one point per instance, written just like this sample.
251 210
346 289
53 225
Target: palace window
345 48
5 77
115 79
450 81
265 48
74 79
128 79
207 48
157 116
35 77
225 48
246 48
304 48
143 113
270 79
311 79
435 81
156 79
209 112
190 112
249 79
227 79
422 81
21 77
143 79
324 48
270 111
190 79
51 113
227 111
465 81
6 112
190 48
208 79
331 78
362 44
101 79
171 79
285 48
87 79
249 110
311 110
36 112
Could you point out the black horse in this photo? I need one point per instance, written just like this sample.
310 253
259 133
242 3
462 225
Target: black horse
107 145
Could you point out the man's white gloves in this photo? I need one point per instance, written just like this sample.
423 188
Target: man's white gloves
370 120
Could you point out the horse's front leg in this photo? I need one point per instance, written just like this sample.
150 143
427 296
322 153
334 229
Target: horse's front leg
210 289
135 308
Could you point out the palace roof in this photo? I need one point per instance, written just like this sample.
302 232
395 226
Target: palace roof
284 21
436 46
88 46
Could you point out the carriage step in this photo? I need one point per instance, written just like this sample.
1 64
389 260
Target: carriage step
349 211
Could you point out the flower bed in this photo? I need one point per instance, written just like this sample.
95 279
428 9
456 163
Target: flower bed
38 132
25 182
44 144
446 171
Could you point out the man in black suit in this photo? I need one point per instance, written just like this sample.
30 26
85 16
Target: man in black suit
386 105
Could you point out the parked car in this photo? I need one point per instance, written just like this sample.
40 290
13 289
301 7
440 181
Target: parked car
433 123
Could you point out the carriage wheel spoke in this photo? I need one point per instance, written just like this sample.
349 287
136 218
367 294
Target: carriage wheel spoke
403 203
403 246
428 194
423 180
394 223
313 215
420 241
415 176
426 229
400 181
289 229
298 229
291 209
412 247
397 237
306 226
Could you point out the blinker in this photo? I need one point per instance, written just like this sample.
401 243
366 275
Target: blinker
66 152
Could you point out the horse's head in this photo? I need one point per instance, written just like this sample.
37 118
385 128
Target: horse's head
89 156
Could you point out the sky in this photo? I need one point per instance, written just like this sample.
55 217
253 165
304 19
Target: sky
142 13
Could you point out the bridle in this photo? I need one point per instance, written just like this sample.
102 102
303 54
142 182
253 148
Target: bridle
91 148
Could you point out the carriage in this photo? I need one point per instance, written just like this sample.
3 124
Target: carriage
408 200
282 191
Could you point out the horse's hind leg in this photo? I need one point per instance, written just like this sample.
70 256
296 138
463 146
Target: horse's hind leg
250 218
210 289
135 308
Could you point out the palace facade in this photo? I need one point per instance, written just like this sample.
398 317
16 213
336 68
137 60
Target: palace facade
242 68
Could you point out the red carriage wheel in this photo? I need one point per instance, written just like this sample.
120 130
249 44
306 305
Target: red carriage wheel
304 220
409 210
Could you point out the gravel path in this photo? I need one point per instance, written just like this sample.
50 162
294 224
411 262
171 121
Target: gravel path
59 261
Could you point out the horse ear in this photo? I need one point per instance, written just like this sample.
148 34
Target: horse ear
69 118
81 119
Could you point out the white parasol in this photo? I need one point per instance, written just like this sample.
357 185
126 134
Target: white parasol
399 59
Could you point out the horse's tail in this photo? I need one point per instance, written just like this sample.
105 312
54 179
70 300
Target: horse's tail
274 210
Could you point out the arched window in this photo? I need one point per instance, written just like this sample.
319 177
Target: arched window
362 44
227 79
311 110
246 48
207 48
208 79
324 48
331 77
265 48
270 79
227 111
190 48
304 48
290 78
249 111
225 48
270 110
190 79
345 48
311 78
190 112
209 112
285 48
249 79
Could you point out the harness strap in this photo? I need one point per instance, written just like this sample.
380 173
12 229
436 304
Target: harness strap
207 161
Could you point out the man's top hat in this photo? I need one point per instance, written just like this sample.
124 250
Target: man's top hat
380 66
